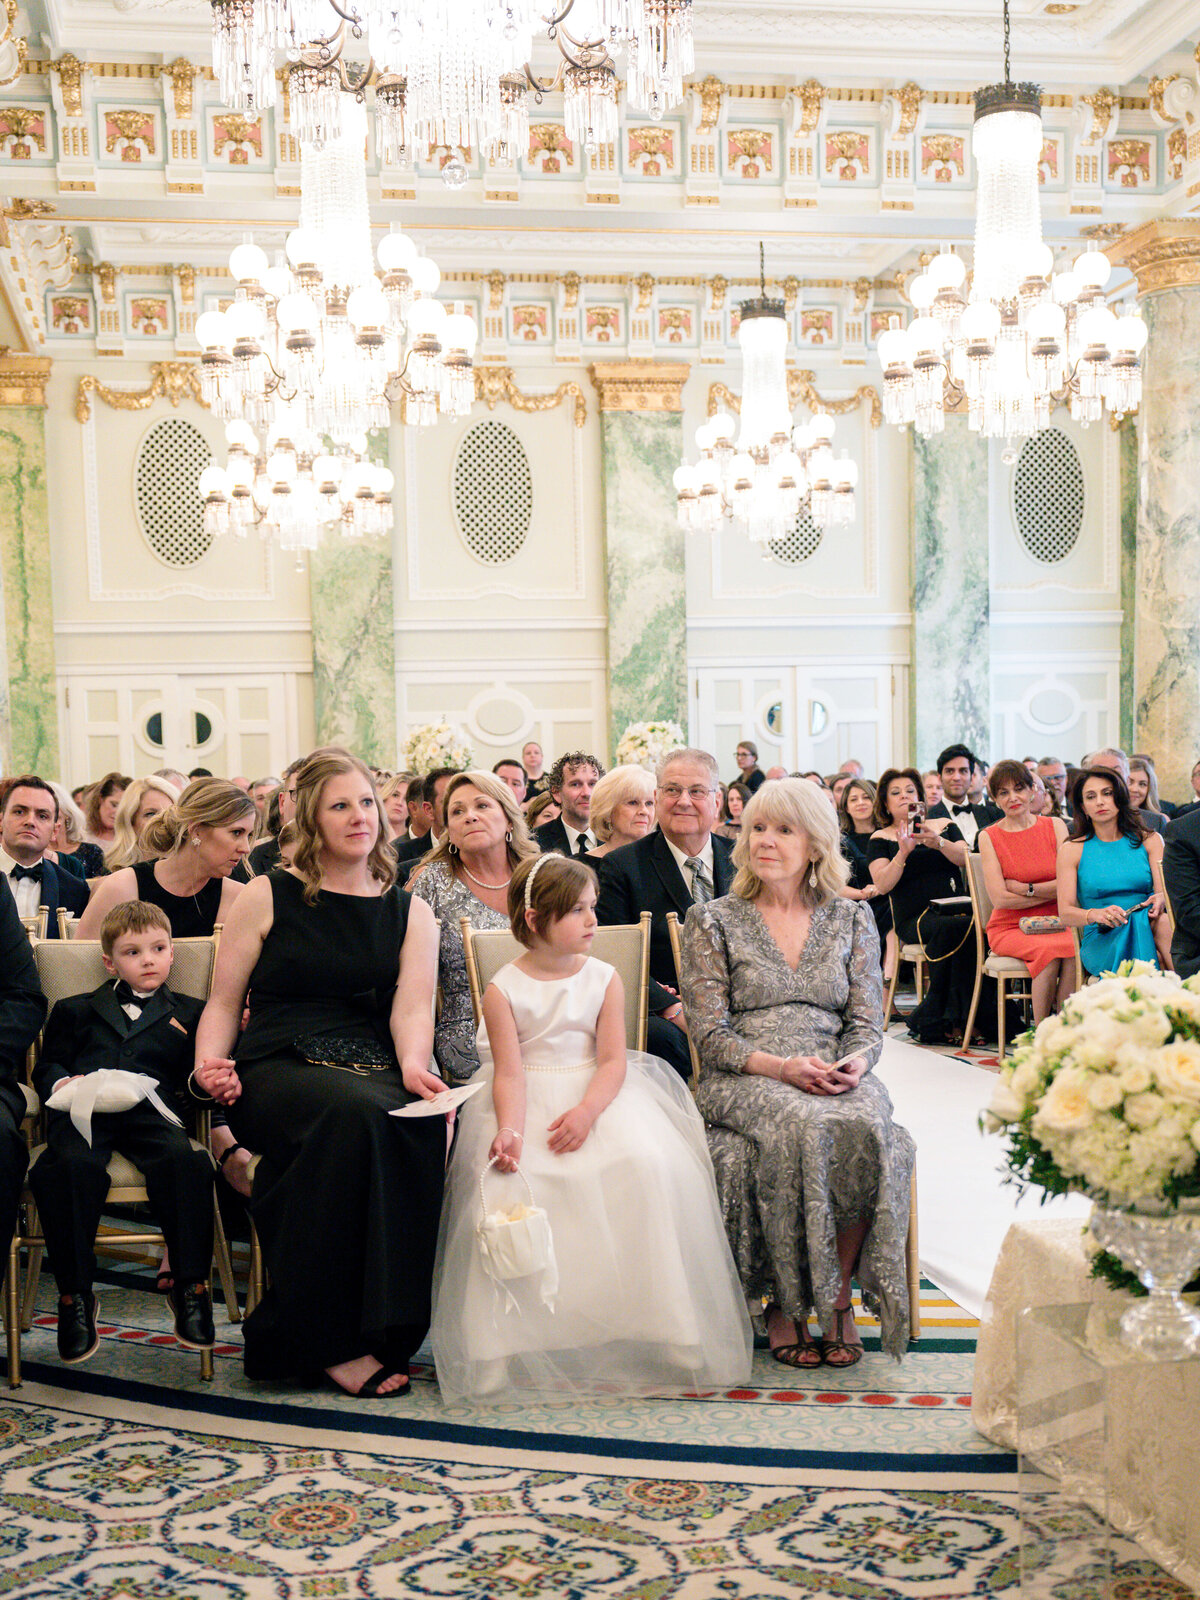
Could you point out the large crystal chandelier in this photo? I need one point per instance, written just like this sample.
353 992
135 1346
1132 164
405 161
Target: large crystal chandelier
452 72
302 365
1023 338
775 469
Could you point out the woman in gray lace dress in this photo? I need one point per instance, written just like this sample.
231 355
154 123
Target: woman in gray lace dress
467 876
783 997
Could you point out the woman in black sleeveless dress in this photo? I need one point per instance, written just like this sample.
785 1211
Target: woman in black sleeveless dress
192 848
340 966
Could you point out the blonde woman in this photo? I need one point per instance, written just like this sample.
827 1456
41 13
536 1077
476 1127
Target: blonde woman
781 987
467 875
393 802
144 799
622 808
191 849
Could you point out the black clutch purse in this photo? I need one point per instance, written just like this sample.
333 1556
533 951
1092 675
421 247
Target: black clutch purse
344 1052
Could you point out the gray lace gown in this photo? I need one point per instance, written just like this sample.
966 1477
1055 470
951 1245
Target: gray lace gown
451 900
804 1164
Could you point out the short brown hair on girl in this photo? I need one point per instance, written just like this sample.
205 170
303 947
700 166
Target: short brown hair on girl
558 881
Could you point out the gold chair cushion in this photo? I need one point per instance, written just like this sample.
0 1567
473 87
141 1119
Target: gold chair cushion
1005 967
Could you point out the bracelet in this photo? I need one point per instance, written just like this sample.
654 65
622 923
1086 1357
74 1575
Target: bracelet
225 1155
197 1094
514 1133
782 1064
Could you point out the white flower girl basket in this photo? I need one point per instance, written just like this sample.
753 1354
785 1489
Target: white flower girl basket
517 1243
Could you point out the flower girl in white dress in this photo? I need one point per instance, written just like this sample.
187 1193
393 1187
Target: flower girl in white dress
647 1299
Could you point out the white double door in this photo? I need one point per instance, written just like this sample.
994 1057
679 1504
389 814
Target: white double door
245 724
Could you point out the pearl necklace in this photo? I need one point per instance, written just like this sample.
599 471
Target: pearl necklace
479 881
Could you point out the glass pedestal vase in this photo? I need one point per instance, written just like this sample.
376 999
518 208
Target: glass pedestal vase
1161 1244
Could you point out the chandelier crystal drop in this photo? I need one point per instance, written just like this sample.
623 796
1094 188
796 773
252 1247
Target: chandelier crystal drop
463 64
303 364
1024 338
776 469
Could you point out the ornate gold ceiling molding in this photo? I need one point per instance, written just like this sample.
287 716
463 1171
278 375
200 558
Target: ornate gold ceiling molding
494 384
12 47
639 385
23 378
1163 254
801 386
169 380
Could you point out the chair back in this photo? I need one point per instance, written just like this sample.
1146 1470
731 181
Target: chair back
35 926
76 966
625 947
66 923
673 936
981 900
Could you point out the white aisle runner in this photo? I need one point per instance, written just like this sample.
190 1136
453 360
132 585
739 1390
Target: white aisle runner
964 1208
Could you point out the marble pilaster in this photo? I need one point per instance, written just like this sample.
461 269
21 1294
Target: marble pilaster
354 642
642 428
28 709
951 693
1165 257
1127 445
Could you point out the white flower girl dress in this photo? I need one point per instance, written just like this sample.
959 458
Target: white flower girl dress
648 1300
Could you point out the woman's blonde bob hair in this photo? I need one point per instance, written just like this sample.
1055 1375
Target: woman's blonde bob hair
205 803
617 786
311 779
127 848
803 806
520 843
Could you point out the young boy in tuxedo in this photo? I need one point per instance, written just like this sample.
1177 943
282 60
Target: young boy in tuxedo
135 1023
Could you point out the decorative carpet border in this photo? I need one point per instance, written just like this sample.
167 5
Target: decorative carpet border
95 1394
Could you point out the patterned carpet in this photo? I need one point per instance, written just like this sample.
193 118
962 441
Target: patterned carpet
127 1479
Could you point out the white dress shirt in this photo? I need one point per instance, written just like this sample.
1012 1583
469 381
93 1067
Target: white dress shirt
575 834
27 892
967 824
705 857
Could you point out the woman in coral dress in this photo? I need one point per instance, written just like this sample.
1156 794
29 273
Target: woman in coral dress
1019 856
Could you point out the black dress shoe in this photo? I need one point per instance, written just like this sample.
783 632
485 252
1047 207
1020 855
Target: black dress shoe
193 1316
77 1336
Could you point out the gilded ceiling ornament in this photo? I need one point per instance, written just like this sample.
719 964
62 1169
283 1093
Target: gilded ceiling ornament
791 293
644 284
862 292
717 289
1103 104
640 385
802 387
169 380
710 92
130 126
943 151
909 97
182 75
810 96
21 210
1176 151
494 384
12 49
70 76
107 274
495 283
22 123
571 282
1156 88
186 274
232 128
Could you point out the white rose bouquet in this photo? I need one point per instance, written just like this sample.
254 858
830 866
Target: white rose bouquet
436 744
644 744
1104 1099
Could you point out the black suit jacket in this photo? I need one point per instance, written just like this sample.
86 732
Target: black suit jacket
406 849
984 815
22 1005
551 838
644 876
88 1031
60 889
1181 878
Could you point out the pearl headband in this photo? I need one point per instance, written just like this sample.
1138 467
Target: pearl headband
533 872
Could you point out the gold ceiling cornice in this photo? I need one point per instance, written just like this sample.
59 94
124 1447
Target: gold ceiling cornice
496 383
1163 254
23 378
639 385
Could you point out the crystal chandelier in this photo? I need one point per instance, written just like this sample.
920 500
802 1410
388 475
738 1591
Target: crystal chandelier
775 470
452 72
1024 338
310 352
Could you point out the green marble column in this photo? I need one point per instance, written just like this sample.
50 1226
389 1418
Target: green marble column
354 641
28 710
1165 256
951 693
1127 443
642 427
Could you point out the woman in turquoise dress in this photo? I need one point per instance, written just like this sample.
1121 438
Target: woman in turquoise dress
1110 883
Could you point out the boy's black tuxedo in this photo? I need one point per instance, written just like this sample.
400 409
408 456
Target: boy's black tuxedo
70 1179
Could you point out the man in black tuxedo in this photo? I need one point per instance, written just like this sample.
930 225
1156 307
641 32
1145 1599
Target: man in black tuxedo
265 856
572 779
955 765
1181 878
132 1024
680 864
26 828
22 1012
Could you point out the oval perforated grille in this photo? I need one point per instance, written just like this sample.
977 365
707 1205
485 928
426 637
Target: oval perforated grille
801 543
493 492
1048 495
169 508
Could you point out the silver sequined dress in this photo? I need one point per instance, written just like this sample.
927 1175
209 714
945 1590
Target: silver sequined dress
451 900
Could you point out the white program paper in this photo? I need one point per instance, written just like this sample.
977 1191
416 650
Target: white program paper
440 1104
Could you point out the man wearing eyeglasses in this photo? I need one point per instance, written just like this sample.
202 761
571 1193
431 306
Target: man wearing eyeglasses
265 856
680 864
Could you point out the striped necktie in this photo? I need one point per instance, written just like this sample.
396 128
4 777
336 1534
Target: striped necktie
702 889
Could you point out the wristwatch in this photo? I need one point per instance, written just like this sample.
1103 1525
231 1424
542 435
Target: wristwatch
1029 891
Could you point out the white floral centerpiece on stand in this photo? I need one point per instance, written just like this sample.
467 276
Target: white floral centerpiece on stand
644 744
1104 1100
435 744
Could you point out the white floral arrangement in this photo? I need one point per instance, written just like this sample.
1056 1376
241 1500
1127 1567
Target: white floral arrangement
1104 1099
644 744
436 744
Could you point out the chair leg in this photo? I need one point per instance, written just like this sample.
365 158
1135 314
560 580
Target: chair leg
225 1266
12 1312
33 1273
891 993
257 1284
1000 998
920 978
969 1030
206 1366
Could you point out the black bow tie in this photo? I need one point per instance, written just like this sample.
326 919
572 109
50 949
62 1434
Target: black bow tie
125 995
959 811
28 872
